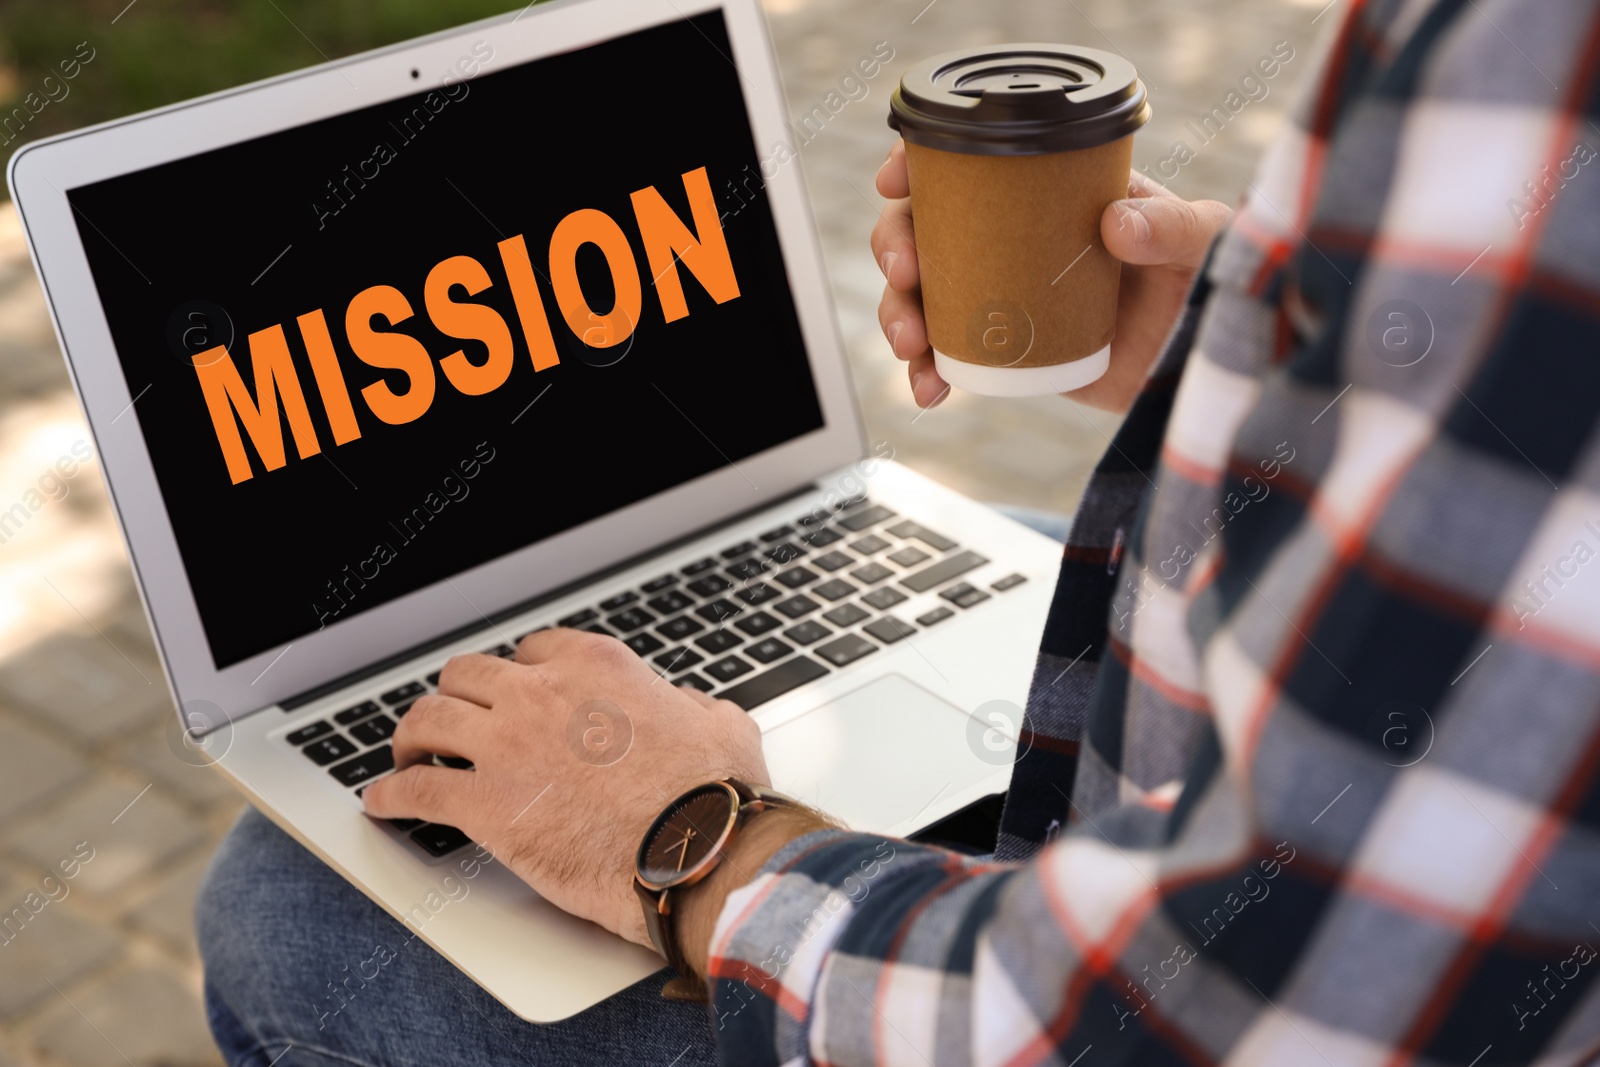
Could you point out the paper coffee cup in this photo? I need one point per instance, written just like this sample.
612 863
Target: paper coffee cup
1014 152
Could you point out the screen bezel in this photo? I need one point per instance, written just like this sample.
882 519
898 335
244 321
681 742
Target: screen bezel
40 175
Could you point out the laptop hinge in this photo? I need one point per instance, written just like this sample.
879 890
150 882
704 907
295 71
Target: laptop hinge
299 700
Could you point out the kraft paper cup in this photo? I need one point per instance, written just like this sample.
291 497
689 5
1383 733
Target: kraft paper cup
1014 153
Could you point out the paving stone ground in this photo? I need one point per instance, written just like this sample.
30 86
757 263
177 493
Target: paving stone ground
107 973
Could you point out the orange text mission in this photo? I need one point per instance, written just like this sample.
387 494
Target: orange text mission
669 243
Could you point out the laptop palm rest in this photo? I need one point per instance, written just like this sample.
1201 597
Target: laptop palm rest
857 756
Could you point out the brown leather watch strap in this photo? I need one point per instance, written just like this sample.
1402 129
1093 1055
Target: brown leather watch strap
658 909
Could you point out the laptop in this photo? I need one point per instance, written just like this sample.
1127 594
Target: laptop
520 325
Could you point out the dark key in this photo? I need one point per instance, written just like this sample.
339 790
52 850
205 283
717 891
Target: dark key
596 628
850 502
621 600
774 683
747 569
777 535
367 765
759 593
695 680
964 595
409 691
655 585
578 618
669 603
885 598
630 620
1010 581
846 615
710 585
360 711
787 552
857 521
735 551
832 561
324 751
807 633
678 659
837 589
457 762
699 566
433 679
404 825
308 733
909 556
439 840
889 629
936 541
941 572
718 610
679 628
871 574
938 614
374 730
728 668
795 577
718 641
400 712
503 651
819 538
759 623
768 650
869 544
846 649
796 606
644 644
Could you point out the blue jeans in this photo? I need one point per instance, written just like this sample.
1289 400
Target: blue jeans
277 927
280 932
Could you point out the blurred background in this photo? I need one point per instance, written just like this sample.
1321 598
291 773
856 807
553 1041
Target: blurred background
108 974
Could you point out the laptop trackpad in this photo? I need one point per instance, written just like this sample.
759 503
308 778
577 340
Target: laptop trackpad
876 756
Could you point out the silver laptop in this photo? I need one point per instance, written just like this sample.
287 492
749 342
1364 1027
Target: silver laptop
519 325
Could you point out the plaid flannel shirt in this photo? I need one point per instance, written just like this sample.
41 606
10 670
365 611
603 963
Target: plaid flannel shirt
1310 769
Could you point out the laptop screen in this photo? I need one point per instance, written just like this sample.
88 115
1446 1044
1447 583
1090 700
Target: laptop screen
374 351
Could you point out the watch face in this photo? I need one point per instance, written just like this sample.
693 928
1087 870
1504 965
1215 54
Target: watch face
687 834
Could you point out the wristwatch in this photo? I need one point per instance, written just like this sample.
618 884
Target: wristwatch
685 844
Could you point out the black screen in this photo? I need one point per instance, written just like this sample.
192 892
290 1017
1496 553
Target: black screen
350 480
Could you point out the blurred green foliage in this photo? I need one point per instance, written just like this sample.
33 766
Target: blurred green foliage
157 52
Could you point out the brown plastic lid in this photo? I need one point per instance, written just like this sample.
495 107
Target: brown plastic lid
1019 100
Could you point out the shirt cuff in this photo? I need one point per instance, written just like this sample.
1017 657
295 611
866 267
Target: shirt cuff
774 934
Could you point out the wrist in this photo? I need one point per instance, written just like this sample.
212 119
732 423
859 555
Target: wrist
697 907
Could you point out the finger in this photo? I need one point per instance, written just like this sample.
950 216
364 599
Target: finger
894 181
894 246
927 388
1143 185
436 794
900 316
1161 230
474 677
541 646
699 696
441 725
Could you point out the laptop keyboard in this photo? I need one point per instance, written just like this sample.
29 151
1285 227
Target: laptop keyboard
746 624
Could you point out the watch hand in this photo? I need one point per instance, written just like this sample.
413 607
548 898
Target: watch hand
683 847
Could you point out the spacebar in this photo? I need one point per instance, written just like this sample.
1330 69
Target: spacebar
943 571
774 683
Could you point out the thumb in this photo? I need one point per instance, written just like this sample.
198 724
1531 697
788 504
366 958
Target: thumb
1162 230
